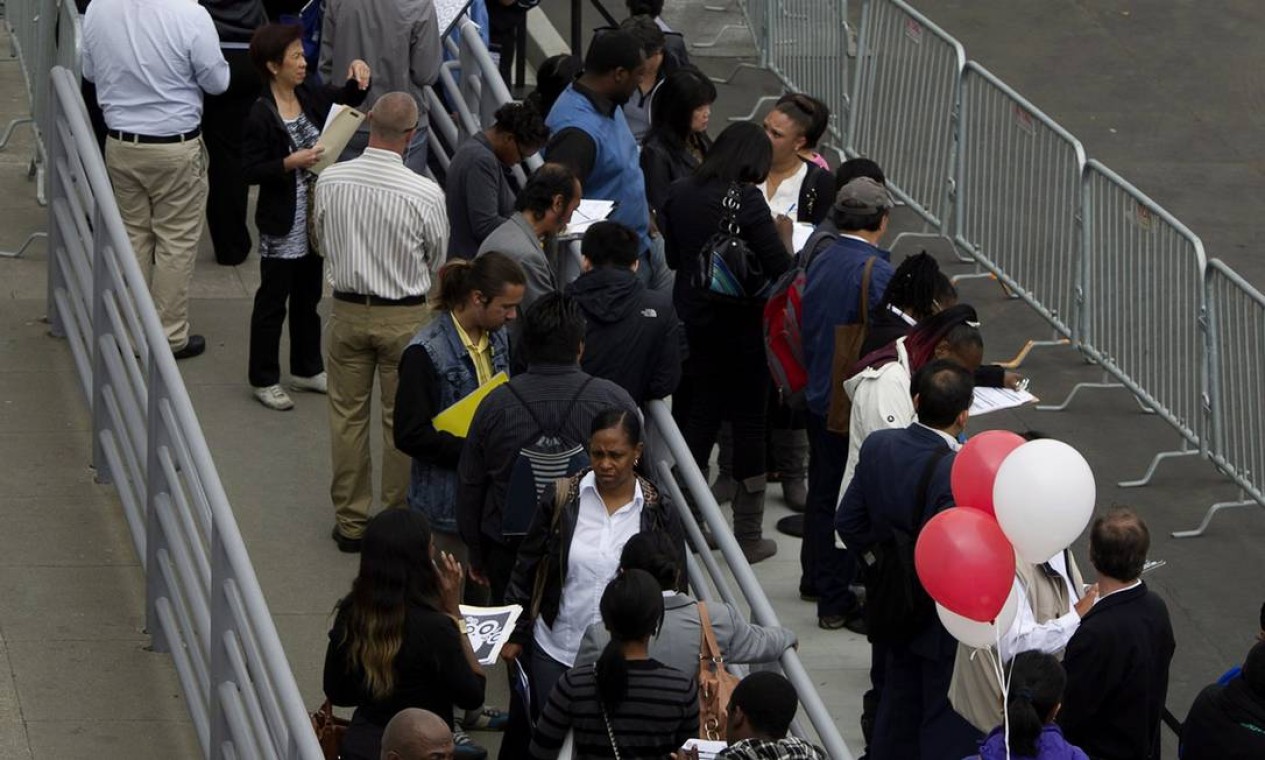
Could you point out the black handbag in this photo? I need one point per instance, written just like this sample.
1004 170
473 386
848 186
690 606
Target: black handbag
728 270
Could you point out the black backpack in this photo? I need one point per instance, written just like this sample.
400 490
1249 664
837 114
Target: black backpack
542 461
898 607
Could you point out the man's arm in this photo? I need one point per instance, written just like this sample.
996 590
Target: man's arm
573 148
435 233
416 404
425 49
209 67
852 518
667 368
1093 670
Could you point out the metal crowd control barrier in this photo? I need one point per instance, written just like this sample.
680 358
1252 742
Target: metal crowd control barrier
672 461
203 602
904 106
808 51
1236 385
1018 200
1134 251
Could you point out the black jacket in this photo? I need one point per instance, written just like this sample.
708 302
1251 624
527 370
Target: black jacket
664 161
692 215
633 337
1225 723
235 20
816 195
1117 677
549 541
266 143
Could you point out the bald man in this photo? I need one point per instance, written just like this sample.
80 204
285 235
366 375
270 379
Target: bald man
384 233
415 734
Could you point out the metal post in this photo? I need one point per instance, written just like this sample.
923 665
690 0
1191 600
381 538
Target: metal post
100 326
56 278
155 540
577 28
221 668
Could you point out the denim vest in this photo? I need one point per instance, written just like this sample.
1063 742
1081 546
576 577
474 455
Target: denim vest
433 489
616 174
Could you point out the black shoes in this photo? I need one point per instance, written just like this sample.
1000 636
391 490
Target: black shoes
853 621
195 347
345 545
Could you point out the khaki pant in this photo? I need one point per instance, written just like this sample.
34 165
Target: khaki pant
161 191
364 340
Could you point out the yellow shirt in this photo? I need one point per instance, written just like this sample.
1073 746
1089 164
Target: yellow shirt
480 353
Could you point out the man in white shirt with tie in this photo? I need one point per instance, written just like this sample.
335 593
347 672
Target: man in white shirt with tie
151 61
384 232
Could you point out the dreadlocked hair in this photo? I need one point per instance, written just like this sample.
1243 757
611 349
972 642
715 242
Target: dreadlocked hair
919 288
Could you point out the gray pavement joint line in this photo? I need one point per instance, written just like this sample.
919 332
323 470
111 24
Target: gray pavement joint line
17 697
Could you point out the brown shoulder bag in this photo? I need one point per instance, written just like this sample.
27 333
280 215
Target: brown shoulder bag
715 684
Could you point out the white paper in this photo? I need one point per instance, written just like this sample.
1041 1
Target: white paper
589 212
800 234
706 750
994 399
488 628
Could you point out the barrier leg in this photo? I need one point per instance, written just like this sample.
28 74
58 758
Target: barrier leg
1184 451
8 130
1067 401
31 238
736 69
926 236
755 108
1214 509
716 40
979 275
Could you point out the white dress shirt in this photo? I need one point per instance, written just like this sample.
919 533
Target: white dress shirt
151 60
598 540
786 199
383 229
1050 637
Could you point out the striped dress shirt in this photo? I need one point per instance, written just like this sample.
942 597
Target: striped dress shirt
383 229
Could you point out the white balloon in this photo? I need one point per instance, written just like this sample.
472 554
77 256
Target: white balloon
974 633
1044 495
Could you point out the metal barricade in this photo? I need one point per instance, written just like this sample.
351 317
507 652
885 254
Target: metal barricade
676 469
1150 344
203 601
1236 386
904 105
809 52
1018 203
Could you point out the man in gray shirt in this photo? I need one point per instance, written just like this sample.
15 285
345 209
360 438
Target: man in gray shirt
399 39
543 209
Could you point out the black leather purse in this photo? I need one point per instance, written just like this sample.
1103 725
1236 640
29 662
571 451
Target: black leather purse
728 270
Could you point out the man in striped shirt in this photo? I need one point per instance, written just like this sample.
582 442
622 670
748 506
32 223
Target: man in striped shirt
384 232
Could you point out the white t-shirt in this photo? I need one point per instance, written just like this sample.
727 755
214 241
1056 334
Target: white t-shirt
786 199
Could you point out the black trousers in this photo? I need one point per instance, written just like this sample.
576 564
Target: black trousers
726 382
299 281
223 118
826 570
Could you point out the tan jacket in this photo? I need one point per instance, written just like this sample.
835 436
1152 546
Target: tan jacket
974 691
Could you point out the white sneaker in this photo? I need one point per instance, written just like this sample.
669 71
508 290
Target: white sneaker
313 384
274 398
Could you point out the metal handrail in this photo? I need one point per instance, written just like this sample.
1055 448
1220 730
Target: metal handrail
672 442
204 604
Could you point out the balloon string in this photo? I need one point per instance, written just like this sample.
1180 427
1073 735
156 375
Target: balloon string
1004 680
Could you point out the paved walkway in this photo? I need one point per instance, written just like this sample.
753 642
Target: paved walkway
75 678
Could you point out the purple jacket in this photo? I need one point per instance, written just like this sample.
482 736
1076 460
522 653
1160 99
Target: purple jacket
1050 746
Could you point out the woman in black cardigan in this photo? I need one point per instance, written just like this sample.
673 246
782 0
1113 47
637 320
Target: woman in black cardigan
677 141
726 376
279 144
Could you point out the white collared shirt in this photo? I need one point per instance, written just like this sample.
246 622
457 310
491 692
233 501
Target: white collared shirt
787 194
383 229
954 444
151 60
1050 637
598 540
1135 584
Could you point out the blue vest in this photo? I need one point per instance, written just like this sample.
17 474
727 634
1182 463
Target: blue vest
616 174
433 489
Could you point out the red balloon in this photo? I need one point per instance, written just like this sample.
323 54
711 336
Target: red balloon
975 468
965 563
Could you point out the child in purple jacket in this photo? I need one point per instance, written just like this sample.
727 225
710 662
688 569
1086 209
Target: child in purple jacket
1036 694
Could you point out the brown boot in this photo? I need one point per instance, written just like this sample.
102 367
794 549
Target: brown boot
749 521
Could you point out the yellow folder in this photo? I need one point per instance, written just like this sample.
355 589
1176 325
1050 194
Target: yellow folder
456 418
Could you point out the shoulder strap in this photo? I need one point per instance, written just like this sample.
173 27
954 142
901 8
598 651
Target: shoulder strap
709 650
925 483
523 403
561 494
575 397
865 290
729 208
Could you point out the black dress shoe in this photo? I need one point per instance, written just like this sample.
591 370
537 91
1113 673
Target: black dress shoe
195 347
791 525
345 545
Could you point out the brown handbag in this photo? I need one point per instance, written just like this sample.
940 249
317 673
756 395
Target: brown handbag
848 342
715 684
561 493
329 729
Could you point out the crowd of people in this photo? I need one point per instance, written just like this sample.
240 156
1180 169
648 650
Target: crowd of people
542 496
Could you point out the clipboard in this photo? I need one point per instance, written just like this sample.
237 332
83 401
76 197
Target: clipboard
342 123
456 419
